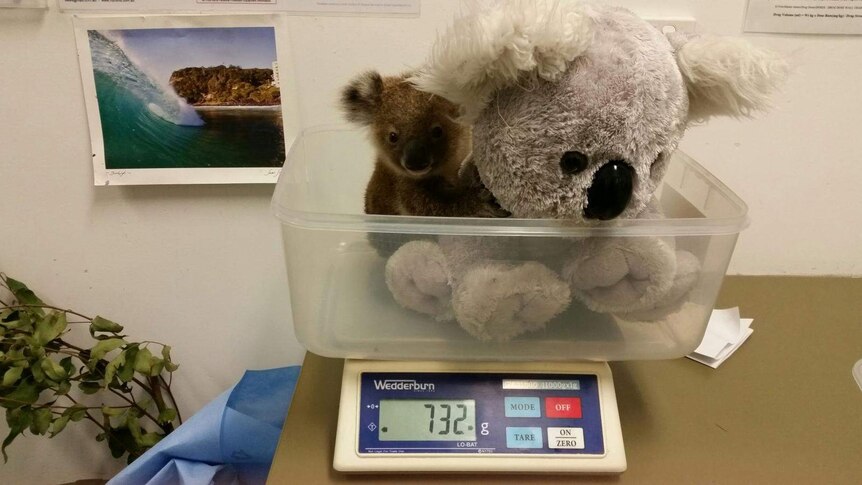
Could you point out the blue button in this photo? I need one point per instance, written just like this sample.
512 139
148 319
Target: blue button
523 437
523 407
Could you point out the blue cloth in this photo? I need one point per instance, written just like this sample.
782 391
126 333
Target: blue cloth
230 441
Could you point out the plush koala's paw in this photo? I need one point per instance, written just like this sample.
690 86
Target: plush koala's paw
497 301
623 274
418 277
687 274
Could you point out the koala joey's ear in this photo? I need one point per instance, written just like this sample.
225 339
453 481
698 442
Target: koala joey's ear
726 76
361 97
494 46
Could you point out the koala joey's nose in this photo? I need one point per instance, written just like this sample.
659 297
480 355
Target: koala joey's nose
417 157
574 162
611 191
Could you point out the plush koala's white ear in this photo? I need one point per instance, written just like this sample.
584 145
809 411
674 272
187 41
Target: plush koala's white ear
726 76
361 97
494 46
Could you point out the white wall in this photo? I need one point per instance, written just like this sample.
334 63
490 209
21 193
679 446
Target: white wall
201 267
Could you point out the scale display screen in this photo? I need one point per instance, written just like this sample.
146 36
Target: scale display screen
427 420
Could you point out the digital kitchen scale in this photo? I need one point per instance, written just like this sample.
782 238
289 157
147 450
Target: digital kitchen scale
402 416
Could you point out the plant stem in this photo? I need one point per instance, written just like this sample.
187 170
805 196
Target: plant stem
87 415
132 404
67 344
173 399
160 401
51 307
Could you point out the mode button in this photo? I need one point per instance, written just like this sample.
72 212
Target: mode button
523 407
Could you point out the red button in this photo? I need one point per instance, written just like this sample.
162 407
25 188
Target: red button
563 407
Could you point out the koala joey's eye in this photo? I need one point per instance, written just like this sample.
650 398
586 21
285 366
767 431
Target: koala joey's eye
436 131
573 162
393 137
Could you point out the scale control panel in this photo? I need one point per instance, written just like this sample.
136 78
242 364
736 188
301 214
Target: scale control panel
424 412
444 417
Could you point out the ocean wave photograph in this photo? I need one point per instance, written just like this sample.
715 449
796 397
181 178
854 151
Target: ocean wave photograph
188 97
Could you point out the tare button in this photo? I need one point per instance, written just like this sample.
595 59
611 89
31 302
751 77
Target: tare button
563 407
566 438
523 407
523 437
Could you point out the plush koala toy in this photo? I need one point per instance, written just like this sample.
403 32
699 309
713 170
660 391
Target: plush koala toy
576 109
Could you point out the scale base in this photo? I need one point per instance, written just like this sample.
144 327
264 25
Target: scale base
525 417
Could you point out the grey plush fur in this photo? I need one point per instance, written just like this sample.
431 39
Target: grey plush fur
622 99
540 79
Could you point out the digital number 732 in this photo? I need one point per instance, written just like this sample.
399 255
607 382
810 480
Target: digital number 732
449 425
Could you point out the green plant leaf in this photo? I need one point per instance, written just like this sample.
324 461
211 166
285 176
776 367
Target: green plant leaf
89 387
25 393
76 413
166 356
127 369
41 421
58 425
150 439
63 388
111 368
134 426
100 324
53 370
18 420
50 327
12 375
112 412
67 365
24 295
103 347
157 368
144 361
120 441
38 373
18 320
167 415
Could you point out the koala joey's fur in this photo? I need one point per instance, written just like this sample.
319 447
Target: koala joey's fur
419 149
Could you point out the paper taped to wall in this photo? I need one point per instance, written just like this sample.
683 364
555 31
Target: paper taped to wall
804 16
409 8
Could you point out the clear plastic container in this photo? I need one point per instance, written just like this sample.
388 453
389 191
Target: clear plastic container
343 308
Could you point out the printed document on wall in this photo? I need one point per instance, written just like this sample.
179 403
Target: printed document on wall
804 16
408 8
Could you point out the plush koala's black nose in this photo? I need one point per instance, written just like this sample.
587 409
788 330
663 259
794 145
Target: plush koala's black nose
611 191
417 157
574 162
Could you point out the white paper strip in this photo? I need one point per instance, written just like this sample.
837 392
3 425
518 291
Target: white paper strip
409 8
23 4
804 16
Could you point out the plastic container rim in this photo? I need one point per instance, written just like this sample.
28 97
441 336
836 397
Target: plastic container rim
475 226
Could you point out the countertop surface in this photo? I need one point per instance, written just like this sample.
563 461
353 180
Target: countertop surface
783 409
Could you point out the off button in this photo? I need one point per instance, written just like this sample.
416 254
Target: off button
563 407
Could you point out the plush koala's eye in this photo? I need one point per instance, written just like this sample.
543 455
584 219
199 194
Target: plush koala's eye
574 162
437 131
393 137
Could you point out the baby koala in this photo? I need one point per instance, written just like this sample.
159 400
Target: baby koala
419 150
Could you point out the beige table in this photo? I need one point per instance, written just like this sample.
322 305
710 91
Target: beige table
783 409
